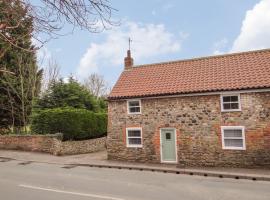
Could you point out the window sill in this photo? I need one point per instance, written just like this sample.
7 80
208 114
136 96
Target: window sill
138 113
132 146
232 148
238 110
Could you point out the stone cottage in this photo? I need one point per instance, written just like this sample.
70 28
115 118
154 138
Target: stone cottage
209 111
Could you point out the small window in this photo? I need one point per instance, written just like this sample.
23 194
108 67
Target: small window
233 137
168 136
230 103
134 137
134 107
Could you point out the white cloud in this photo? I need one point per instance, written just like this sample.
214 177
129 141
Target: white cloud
149 41
255 31
219 46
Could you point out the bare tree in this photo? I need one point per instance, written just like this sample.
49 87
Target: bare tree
50 16
6 71
97 85
51 73
21 90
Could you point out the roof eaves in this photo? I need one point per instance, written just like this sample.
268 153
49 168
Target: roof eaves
183 93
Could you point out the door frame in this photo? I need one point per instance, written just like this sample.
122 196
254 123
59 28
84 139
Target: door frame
175 136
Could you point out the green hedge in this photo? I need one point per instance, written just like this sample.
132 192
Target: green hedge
74 124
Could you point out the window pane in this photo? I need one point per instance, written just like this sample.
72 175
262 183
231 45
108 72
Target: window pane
136 141
134 109
233 133
134 133
229 106
227 99
168 136
233 142
234 106
134 103
234 98
226 106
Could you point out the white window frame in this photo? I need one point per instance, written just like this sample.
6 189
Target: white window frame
230 110
233 128
127 137
134 113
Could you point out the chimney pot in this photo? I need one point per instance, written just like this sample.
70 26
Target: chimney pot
128 61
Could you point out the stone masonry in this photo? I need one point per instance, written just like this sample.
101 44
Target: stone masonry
83 146
51 144
198 121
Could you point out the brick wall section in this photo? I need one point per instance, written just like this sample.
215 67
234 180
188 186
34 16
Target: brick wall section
51 144
198 121
40 143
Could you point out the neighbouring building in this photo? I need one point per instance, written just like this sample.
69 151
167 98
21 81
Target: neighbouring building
209 111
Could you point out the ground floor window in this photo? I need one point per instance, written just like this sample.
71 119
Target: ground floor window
233 137
134 137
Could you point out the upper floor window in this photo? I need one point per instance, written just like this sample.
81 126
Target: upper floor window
134 106
233 137
230 102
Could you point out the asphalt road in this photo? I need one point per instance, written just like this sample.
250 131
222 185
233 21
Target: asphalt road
40 181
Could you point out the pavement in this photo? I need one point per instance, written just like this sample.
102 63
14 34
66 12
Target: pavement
99 159
27 180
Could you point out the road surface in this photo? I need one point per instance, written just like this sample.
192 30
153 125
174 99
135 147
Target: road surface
41 181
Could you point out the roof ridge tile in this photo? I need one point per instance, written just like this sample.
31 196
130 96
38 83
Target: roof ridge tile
202 58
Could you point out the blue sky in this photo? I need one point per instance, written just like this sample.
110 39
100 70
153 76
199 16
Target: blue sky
161 31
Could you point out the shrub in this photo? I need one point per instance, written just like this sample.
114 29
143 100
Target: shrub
74 124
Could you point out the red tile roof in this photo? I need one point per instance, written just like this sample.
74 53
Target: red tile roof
246 70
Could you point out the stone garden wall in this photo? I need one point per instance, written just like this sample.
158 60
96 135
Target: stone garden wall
40 143
84 146
198 121
51 144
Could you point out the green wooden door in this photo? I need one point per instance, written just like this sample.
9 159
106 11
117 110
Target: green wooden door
168 145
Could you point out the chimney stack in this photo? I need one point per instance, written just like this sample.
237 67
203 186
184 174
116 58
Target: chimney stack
128 61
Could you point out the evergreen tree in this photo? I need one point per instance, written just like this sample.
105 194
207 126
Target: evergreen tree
19 87
71 94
